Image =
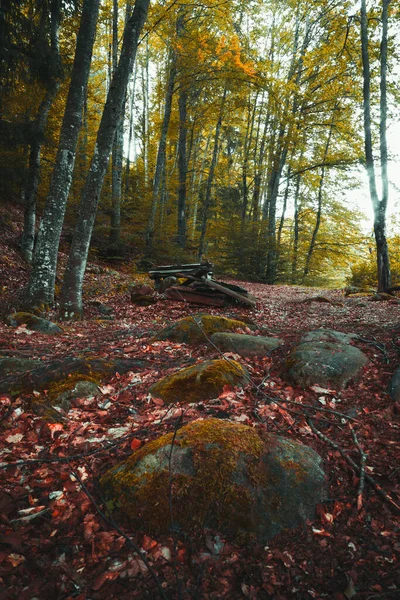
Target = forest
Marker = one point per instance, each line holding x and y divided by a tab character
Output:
199	334
232	131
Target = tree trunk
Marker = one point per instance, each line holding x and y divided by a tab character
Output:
117	149
210	178
41	283
182	167
162	146
319	208
71	297
296	230
28	235
379	205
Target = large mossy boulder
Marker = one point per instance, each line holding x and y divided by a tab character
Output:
198	328
327	364
225	476
33	323
245	345
203	381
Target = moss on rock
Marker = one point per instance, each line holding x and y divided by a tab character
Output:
199	382
33	322
198	328
224	475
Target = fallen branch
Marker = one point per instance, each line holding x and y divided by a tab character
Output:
363	460
351	462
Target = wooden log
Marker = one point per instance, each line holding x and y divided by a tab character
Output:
187	294
220	288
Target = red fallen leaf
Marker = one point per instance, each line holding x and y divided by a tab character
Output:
135	444
101	579
321	532
148	543
181	555
158	401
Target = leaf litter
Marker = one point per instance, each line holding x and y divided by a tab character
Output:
56	538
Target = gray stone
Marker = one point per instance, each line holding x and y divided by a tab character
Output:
245	345
81	389
10	365
328	335
198	329
33	323
225	476
394	386
327	364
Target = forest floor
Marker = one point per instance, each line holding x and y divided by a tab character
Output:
56	539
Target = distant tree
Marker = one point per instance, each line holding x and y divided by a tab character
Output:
379	204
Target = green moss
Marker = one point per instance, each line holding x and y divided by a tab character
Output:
200	382
196	329
57	388
214	495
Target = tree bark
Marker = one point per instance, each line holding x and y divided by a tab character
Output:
319	207
379	205
182	167
42	279
210	178
162	146
30	196
71	296
117	149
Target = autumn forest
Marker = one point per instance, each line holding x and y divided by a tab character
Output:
199	300
232	131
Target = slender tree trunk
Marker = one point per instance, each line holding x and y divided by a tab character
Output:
130	139
161	153
41	283
296	230
320	195
199	184
379	205
246	150
117	149
182	168
28	236
210	178
71	297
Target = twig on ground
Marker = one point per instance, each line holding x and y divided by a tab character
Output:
379	345
351	462
363	460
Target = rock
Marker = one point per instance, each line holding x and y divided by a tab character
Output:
142	294
198	328
50	372
381	296
225	476
63	395
33	322
328	335
201	382
245	345
331	365
10	365
104	309
394	386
